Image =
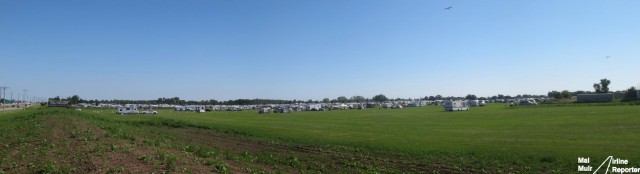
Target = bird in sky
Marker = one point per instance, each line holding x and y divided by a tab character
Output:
608	57
448	8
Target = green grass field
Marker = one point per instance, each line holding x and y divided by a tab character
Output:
492	139
494	131
570	130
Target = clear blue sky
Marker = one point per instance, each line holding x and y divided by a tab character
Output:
292	49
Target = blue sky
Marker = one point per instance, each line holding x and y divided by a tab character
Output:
291	49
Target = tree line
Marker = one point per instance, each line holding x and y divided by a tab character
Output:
75	99
599	88
602	87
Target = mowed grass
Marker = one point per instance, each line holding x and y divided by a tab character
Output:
538	135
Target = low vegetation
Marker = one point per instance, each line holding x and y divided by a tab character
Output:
491	139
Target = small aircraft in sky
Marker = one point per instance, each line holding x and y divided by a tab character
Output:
449	8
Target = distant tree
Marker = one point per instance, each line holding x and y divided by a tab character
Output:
630	94
555	94
500	96
175	100
603	86
597	87
438	97
380	98
74	99
326	100
566	94
358	99
471	97
342	99
604	83
432	98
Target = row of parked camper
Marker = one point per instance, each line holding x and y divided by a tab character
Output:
273	108
265	109
191	108
133	109
449	105
463	105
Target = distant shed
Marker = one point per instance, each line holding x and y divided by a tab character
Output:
58	104
595	98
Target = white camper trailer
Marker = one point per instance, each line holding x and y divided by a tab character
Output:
265	110
314	107
457	105
200	109
130	109
191	108
529	101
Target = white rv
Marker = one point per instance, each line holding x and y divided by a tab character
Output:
265	110
191	108
314	107
457	105
527	101
195	108
130	109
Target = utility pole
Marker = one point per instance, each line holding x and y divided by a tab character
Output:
4	90
24	94
24	98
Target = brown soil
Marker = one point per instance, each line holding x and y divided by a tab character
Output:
73	145
77	146
307	154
